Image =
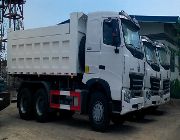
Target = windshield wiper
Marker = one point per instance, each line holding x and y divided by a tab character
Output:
149	61
154	65
165	66
134	51
130	45
152	62
135	47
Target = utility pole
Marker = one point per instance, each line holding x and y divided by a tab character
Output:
11	16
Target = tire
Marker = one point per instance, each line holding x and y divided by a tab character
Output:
154	108
41	106
24	104
99	112
117	119
139	115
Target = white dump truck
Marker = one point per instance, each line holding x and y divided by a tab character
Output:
152	74
164	61
91	64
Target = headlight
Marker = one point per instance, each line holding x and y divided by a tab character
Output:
127	96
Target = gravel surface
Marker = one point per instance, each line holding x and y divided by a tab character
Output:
164	124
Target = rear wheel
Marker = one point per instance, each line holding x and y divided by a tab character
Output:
25	104
41	106
99	112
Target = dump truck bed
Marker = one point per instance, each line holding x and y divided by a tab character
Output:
48	50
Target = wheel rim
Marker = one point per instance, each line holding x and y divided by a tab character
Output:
40	103
97	112
24	104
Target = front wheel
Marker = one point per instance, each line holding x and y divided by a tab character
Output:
139	115
41	106
99	112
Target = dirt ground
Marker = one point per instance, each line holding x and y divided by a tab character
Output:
163	124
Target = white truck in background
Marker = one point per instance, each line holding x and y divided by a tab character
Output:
92	64
152	74
163	54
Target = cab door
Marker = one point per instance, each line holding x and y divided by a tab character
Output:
93	44
111	58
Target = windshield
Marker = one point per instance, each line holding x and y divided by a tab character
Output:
131	34
150	52
164	58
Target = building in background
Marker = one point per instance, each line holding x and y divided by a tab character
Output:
164	29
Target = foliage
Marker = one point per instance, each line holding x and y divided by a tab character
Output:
175	89
178	37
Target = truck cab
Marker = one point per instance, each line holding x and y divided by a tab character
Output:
164	61
152	74
114	56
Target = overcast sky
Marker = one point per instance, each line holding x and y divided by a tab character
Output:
40	13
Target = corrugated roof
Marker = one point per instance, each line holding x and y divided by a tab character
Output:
161	19
64	22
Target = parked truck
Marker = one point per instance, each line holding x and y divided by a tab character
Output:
4	95
164	61
91	64
152	74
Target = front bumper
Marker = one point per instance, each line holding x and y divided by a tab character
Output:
165	97
4	100
150	99
156	100
132	104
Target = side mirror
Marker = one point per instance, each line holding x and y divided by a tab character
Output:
116	42
116	35
116	39
113	32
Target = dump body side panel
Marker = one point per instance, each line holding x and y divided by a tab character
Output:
48	50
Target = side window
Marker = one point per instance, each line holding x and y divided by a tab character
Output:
111	32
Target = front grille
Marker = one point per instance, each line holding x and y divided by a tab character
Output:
166	86
154	93
136	81
155	83
136	93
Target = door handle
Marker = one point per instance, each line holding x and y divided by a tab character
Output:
89	48
102	67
